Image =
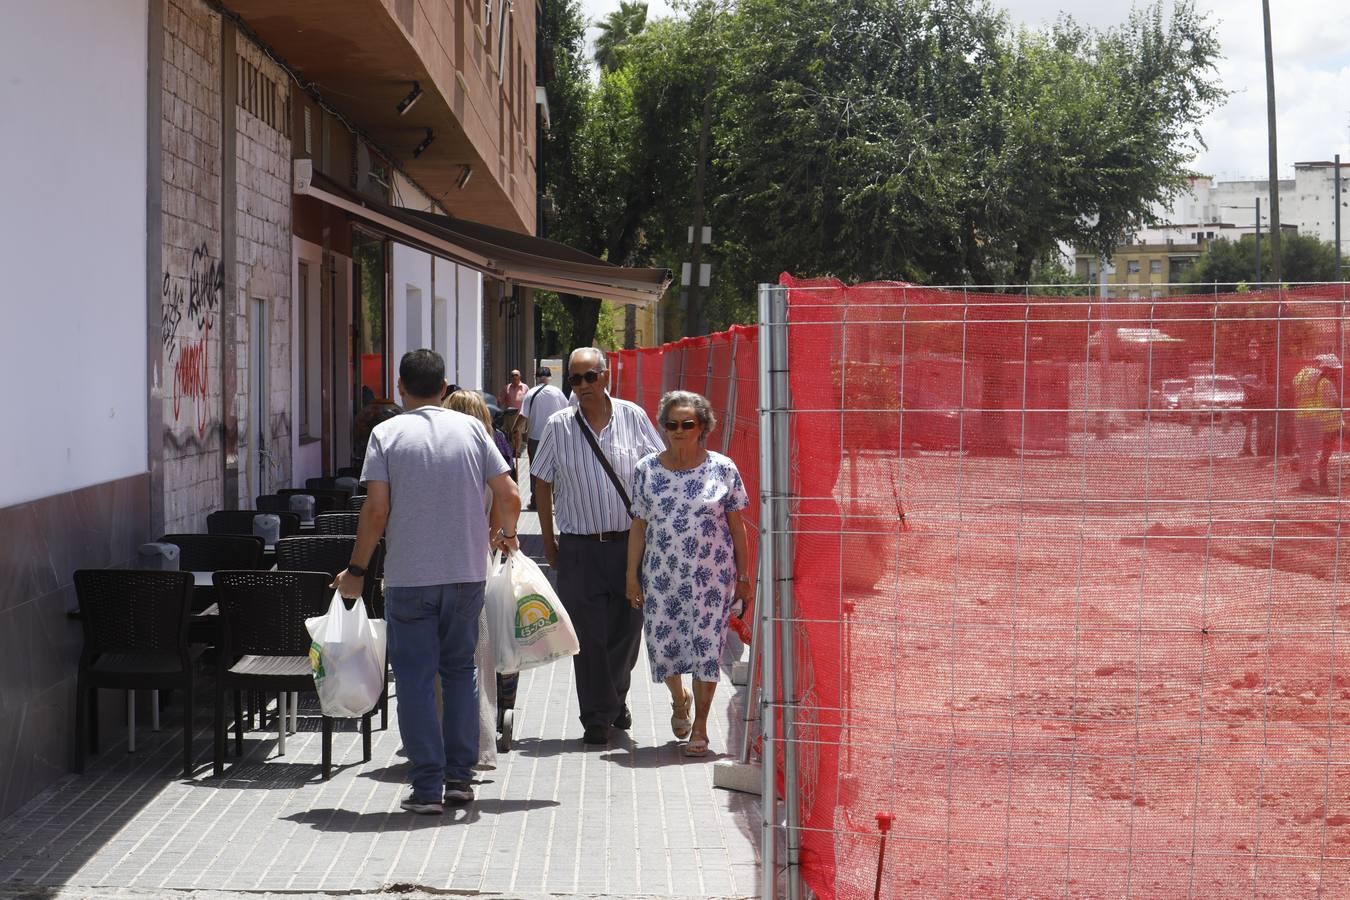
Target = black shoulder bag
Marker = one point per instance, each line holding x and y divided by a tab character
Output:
600	455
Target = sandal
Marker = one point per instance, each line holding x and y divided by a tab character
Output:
697	746
681	723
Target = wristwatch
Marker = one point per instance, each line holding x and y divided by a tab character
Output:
358	571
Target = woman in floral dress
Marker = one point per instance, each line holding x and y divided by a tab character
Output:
687	559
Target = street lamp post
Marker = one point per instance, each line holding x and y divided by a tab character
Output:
1257	208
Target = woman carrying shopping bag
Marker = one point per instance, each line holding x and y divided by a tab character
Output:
496	696
687	559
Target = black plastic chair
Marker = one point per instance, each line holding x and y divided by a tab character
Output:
240	522
356	502
273	503
331	553
135	638
209	552
265	647
349	472
322	483
337	523
333	500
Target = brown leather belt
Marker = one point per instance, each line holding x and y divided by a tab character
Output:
603	537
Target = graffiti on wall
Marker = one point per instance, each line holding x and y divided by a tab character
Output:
189	304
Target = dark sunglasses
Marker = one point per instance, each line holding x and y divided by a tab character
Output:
589	377
686	425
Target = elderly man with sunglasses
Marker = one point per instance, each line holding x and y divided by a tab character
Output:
585	468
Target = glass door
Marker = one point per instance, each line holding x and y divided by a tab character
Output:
372	399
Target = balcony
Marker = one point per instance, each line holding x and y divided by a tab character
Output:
363	57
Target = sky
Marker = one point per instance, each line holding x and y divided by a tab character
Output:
1312	75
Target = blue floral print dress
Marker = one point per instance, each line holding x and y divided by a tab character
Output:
688	573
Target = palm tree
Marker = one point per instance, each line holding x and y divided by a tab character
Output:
616	28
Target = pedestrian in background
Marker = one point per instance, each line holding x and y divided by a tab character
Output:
687	559
509	399
1318	420
542	401
425	473
585	464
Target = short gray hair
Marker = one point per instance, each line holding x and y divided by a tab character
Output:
703	410
599	354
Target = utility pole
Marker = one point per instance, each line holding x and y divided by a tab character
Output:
693	319
1274	157
1336	175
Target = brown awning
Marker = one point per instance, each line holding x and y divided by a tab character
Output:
505	255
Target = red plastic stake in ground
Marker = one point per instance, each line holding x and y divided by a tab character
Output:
884	821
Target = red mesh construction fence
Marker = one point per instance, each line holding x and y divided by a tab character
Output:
724	368
1068	582
1068	579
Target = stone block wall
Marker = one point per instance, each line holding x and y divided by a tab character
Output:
263	271
192	278
197	294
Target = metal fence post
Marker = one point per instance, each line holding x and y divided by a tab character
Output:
783	562
764	636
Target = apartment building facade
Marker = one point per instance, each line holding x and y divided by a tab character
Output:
232	219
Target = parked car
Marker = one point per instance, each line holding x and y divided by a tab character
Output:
1167	398
1215	398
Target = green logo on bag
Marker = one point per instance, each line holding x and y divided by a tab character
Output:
533	613
316	659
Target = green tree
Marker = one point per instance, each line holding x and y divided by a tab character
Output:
923	139
571	168
615	30
1228	265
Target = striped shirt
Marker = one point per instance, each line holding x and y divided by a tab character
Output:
584	499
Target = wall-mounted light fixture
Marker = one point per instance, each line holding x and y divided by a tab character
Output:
426	142
465	173
407	102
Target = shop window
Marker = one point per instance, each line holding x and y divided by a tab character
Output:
370	270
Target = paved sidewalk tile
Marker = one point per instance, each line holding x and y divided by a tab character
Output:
634	819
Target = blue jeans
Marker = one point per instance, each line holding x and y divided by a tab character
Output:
435	629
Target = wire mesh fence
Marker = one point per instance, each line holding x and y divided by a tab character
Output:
1062	590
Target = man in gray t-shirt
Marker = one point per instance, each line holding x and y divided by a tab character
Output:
426	472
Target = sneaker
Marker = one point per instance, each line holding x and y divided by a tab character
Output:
458	792
596	734
624	720
423	807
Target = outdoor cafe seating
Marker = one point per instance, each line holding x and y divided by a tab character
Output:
226	605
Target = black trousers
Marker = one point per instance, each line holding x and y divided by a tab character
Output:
591	578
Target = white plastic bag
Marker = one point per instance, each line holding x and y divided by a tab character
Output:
527	624
346	656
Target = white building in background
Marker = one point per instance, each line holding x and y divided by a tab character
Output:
1307	201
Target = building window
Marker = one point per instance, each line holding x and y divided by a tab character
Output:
1132	267
1155	267
262	97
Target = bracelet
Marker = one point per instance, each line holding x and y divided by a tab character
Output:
501	532
743	578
